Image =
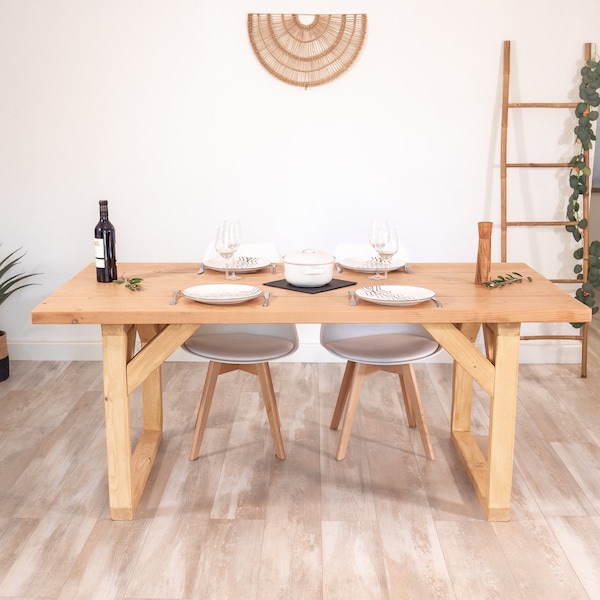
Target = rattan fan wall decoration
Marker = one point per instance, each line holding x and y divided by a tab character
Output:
306	54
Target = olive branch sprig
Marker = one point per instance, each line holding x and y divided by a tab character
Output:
506	279
132	283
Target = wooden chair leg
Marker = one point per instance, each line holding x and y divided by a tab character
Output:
359	372
403	376
214	369
342	395
270	402
412	397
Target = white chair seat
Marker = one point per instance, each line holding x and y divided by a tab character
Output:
239	344
384	349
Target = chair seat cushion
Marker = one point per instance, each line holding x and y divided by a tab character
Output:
239	348
384	349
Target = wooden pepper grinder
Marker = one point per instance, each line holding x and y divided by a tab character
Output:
484	252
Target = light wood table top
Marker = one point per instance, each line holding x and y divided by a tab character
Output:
84	301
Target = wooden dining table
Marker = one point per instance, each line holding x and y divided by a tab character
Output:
141	329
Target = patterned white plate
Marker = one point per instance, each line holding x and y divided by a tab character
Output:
369	264
222	293
395	295
245	264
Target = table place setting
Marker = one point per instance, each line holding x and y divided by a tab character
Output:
240	264
370	264
396	295
221	293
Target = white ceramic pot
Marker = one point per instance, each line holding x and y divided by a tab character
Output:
308	268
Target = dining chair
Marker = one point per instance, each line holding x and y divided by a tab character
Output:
368	348
246	347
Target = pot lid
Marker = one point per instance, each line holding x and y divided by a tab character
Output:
308	257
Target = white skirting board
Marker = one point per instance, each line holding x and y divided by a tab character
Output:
532	352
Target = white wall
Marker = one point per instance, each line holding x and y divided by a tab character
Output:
162	108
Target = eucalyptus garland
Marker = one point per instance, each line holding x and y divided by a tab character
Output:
579	181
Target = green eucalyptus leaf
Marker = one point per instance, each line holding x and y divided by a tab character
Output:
594	261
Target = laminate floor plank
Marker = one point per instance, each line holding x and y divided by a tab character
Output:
291	563
552	484
55	459
546	571
476	561
244	483
172	551
583	462
230	560
561	423
412	555
44	563
14	534
353	565
579	538
106	561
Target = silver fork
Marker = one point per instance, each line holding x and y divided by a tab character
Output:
174	298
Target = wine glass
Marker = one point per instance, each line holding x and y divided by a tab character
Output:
388	250
379	234
228	239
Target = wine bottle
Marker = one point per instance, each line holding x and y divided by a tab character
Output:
106	259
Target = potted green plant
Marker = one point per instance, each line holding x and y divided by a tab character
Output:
9	284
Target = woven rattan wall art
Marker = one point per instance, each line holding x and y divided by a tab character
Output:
304	53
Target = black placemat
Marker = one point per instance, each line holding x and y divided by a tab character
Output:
334	284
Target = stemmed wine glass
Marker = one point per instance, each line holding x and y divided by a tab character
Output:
388	250
379	234
228	239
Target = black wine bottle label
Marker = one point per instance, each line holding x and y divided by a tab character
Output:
104	247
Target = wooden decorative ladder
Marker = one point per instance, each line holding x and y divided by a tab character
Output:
505	224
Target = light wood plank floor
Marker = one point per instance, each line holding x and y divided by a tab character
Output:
238	523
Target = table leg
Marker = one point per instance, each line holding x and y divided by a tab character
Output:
123	372
498	375
503	412
116	346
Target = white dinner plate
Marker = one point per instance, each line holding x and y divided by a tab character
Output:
395	295
241	265
221	293
369	264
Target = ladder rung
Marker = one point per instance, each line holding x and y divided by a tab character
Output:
542	104
540	223
534	165
577	281
551	337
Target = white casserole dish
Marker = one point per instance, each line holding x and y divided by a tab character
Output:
308	268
